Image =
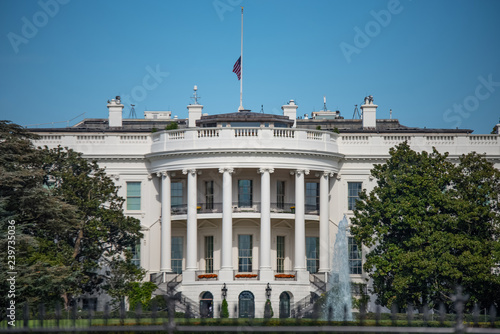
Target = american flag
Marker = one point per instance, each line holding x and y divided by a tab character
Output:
237	68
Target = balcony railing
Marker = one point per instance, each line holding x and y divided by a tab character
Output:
255	207
311	209
202	275
283	207
246	207
179	209
235	138
286	275
209	207
250	275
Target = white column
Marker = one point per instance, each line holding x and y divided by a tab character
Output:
166	232
300	229
192	224
226	272
324	217
265	224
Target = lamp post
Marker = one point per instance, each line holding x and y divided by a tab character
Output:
268	291
224	291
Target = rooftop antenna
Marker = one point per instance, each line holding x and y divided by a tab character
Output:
132	112
262	108
356	114
324	103
390	114
195	96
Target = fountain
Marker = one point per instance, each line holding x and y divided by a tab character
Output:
338	297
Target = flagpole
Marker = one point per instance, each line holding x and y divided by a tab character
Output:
241	64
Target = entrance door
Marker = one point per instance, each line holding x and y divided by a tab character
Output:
246	305
206	305
284	305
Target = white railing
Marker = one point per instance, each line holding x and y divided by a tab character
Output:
203	133
314	135
284	133
176	135
236	138
246	132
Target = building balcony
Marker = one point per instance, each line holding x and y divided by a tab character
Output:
221	139
240	208
282	207
246	207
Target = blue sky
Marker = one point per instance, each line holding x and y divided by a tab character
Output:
436	64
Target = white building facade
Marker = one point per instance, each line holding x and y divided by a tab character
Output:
245	206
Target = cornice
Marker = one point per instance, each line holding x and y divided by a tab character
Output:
115	157
242	151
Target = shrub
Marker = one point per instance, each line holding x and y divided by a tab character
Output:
268	310
224	312
172	126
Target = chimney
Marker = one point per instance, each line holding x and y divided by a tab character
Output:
290	110
194	110
115	112
369	113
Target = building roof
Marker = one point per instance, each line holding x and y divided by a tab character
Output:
356	126
128	125
340	124
243	116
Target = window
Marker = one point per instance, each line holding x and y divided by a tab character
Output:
209	254
176	194
244	253
312	254
354	257
136	255
209	195
245	199
280	254
312	196
177	250
89	304
353	190
133	195
280	194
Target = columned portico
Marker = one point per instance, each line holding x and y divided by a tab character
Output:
324	216
266	272
226	271
192	225
300	231
166	228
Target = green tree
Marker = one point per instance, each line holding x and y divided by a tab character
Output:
103	235
68	217
172	126
431	225
268	310
41	262
224	312
140	293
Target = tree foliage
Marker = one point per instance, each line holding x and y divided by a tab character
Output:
224	312
140	294
431	225
69	221
268	309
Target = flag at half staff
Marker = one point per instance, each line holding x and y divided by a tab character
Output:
237	68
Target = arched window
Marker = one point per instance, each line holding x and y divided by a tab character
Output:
246	305
207	305
284	305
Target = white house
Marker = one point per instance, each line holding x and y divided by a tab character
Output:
246	205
